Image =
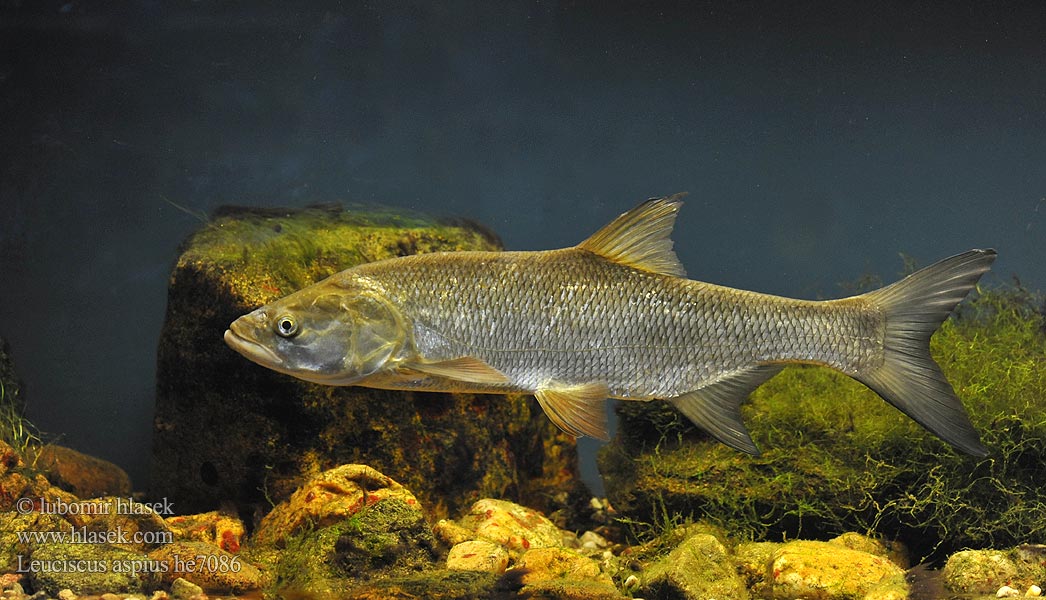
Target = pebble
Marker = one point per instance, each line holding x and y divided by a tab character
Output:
477	555
182	589
1034	590
1007	592
66	594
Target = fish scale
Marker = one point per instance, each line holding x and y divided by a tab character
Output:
645	334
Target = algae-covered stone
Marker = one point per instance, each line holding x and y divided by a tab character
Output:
563	573
333	496
14	524
515	527
979	571
700	567
836	457
228	429
386	539
81	474
214	527
753	561
134	525
477	555
895	551
89	569
207	566
430	585
824	571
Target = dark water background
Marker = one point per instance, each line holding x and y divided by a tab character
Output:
817	141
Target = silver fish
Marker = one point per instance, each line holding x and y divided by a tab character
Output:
611	317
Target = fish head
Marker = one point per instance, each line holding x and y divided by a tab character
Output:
333	333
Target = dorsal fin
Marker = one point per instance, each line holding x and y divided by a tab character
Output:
642	237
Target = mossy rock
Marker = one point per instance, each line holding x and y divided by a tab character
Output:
90	569
229	430
387	539
838	458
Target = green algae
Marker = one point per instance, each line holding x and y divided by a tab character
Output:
277	251
386	539
837	458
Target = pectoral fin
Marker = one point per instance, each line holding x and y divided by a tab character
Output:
578	410
465	368
716	408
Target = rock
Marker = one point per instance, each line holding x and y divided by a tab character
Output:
213	527
824	571
89	569
515	527
333	496
137	525
562	573
14	522
183	589
753	565
895	552
978	571
83	475
542	564
207	566
696	569
228	429
432	585
477	555
385	539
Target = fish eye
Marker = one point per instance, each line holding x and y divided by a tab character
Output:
286	326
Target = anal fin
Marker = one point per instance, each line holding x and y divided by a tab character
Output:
716	408
465	368
578	409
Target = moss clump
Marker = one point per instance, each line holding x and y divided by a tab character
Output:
837	458
387	539
274	252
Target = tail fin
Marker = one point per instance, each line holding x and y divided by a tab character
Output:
909	378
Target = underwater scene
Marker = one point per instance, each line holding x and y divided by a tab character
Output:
559	300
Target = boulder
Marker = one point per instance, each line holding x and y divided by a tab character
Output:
81	474
228	429
825	571
698	568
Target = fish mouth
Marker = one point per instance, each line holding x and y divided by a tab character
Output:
252	350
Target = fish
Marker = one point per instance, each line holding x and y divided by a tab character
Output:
612	317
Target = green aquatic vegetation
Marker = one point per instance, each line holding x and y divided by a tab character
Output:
276	251
15	429
837	458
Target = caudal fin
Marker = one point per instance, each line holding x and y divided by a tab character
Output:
909	379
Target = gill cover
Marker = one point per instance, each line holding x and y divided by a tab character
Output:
378	334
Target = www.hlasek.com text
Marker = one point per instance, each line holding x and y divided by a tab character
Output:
82	535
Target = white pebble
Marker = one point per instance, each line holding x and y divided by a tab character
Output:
631	583
1007	592
1034	590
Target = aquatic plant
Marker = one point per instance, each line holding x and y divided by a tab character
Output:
15	429
837	458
